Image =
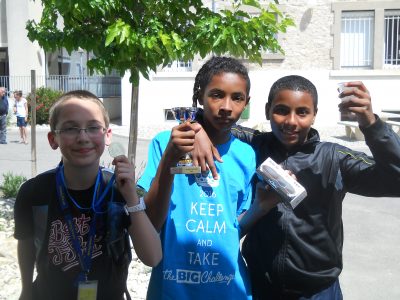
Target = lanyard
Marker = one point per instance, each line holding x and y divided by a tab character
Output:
96	201
84	257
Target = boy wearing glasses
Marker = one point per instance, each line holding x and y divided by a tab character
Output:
73	221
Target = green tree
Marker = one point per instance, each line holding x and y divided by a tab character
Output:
140	35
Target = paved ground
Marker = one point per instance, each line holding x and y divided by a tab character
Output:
371	226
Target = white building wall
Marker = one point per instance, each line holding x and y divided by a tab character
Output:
308	44
23	54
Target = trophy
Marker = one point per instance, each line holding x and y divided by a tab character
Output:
185	164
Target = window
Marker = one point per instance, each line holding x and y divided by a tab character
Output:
392	38
179	66
366	35
356	39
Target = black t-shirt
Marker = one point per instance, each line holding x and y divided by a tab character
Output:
58	265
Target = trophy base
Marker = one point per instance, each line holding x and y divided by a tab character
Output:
186	170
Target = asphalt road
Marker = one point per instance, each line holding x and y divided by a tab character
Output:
371	225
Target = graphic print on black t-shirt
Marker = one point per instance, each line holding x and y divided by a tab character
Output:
52	282
60	249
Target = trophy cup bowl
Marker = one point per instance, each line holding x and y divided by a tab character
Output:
185	164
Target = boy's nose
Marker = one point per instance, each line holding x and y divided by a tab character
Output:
291	119
226	107
225	113
82	134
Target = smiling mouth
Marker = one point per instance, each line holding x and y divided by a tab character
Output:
84	150
289	133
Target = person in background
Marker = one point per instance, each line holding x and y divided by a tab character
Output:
21	112
3	115
297	253
74	222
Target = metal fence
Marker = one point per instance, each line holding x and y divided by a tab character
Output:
101	86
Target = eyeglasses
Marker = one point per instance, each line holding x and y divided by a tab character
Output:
91	131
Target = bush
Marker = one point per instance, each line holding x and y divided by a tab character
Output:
45	97
11	184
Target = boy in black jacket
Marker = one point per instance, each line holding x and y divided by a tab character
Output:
297	254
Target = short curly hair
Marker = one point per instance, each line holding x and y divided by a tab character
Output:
293	83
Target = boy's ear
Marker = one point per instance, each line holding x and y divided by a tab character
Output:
248	100
267	109
51	137
315	114
108	136
198	98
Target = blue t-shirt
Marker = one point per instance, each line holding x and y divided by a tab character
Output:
200	236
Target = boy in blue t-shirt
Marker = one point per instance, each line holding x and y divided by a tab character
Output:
197	214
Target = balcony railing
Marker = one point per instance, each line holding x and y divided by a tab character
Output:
101	86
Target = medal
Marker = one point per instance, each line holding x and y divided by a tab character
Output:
116	149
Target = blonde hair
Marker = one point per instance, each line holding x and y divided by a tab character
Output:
55	109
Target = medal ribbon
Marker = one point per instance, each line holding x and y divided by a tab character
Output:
85	258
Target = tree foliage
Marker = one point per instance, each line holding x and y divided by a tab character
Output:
138	36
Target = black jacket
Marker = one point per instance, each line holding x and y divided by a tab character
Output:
299	252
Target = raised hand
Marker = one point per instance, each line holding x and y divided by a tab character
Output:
356	98
182	140
125	177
